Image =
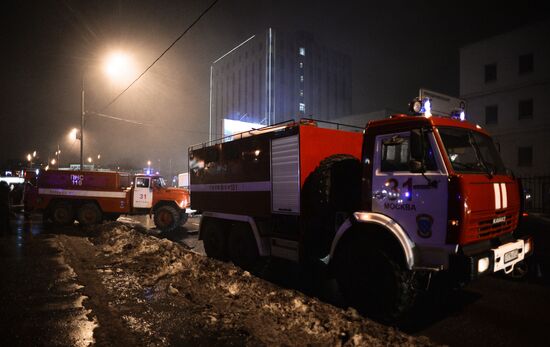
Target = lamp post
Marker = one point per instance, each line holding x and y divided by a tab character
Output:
117	66
82	112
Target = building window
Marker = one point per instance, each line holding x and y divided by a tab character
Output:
525	109
302	51
301	65
525	156
525	63
491	114
490	72
301	92
302	107
301	78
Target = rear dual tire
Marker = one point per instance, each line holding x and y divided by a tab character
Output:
234	241
89	214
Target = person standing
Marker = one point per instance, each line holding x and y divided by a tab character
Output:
4	208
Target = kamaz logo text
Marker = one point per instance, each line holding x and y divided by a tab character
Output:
499	219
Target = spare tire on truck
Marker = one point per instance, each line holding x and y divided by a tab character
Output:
167	218
330	193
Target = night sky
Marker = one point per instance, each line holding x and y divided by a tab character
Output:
396	48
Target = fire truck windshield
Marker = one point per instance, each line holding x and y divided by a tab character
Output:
159	182
471	152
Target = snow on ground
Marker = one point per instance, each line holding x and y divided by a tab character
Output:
168	295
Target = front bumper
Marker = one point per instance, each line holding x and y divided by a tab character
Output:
473	262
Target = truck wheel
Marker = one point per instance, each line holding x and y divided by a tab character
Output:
89	214
374	283
183	218
243	250
166	218
214	237
62	213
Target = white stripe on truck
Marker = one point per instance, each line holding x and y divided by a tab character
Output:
264	186
87	193
496	188
504	195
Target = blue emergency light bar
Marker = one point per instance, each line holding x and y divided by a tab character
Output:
423	107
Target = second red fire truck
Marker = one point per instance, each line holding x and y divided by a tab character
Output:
64	196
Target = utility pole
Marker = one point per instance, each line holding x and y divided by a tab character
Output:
82	125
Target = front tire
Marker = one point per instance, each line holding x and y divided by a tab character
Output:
166	218
184	217
375	283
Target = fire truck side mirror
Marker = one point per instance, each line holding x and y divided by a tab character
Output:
416	166
417	149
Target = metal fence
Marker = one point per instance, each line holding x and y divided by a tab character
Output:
537	193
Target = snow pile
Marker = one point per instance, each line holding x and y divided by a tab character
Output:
191	299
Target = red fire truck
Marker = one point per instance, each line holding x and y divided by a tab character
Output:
385	208
91	196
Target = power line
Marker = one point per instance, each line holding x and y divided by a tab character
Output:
160	56
142	123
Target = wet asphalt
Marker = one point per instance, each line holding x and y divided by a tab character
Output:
42	304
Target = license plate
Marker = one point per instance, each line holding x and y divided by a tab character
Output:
509	256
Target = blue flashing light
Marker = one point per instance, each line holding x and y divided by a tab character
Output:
427	106
459	115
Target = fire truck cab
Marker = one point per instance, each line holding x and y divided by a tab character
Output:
384	209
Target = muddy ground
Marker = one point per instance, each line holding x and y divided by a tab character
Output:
142	290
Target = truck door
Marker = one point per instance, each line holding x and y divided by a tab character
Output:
410	184
143	193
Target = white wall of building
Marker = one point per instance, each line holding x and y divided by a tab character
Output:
509	88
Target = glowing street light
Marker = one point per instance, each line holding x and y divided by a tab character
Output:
90	160
118	66
29	159
53	161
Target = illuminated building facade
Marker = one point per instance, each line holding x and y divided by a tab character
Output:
275	76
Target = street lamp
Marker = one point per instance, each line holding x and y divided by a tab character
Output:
118	66
148	167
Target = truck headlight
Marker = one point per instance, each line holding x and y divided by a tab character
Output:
482	265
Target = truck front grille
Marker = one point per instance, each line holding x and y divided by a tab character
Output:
487	225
